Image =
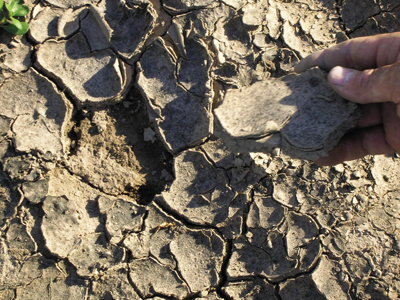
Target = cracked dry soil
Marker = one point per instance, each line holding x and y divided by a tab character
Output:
114	186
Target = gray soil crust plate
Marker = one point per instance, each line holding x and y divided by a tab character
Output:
299	113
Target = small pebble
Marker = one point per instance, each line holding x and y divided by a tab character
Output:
339	168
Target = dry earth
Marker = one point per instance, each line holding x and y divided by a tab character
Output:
113	185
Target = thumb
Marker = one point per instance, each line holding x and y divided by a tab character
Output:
373	85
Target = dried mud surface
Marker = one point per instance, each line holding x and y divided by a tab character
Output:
113	184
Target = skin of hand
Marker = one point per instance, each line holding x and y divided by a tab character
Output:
365	70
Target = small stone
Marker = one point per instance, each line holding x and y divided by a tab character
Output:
339	168
377	273
260	40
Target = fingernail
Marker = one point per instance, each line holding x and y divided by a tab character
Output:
339	75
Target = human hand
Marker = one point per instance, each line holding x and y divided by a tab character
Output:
365	70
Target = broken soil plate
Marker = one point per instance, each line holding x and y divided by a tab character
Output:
301	114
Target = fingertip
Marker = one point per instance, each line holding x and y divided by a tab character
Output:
324	161
313	60
357	144
300	67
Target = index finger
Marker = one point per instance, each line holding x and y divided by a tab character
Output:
359	53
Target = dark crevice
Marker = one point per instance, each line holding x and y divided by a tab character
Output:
183	12
37	235
210	160
224	268
277	295
134	286
179	273
72	134
181	218
348	32
246	210
146	193
60	89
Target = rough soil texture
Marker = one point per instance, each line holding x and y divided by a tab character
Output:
296	118
114	185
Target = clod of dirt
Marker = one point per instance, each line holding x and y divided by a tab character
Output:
299	113
94	253
254	14
39	111
256	289
18	59
126	28
45	277
60	241
172	245
202	22
151	277
36	192
19	242
264	213
300	288
44	23
9	198
182	117
199	192
122	216
106	284
234	41
278	253
329	279
99	78
111	152
202	270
